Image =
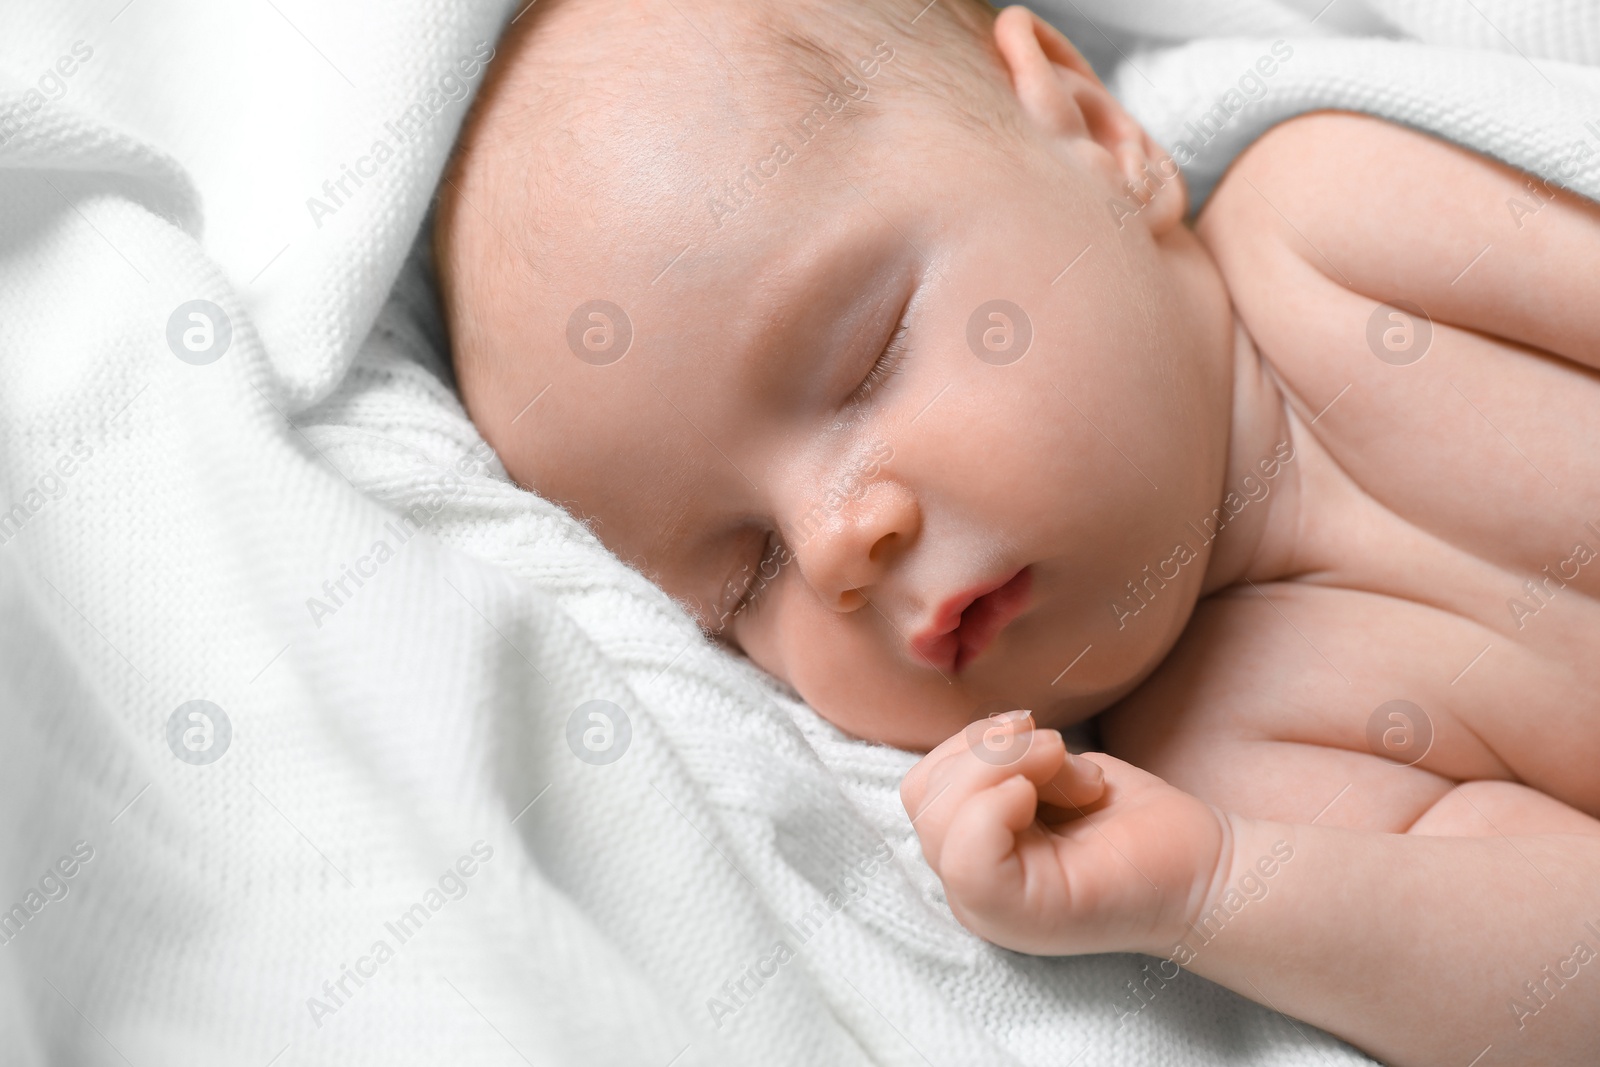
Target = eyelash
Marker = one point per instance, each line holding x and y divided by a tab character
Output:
891	361
750	595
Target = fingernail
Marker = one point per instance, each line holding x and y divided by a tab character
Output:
1084	766
1012	716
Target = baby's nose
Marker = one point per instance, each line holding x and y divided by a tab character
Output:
846	543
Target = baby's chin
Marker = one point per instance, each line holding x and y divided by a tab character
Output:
920	710
917	727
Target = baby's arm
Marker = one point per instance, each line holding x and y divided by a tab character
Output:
1390	212
1415	948
1419	949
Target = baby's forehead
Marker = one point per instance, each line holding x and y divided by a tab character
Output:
671	121
662	104
697	52
757	66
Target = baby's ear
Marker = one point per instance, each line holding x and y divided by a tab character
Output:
1060	93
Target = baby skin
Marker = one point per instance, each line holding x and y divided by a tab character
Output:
1300	503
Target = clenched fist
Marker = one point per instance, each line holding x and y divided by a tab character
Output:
1044	852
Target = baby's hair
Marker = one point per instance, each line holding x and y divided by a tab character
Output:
944	50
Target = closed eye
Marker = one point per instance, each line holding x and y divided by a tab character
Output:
890	361
752	581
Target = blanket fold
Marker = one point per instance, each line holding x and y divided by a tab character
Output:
359	754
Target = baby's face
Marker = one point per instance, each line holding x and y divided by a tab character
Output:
908	369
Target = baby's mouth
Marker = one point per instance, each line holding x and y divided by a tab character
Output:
968	623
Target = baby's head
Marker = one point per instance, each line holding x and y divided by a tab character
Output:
831	315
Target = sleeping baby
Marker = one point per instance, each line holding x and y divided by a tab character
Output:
878	335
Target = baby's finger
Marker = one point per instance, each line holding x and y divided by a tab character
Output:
1036	754
914	786
990	736
983	871
1077	784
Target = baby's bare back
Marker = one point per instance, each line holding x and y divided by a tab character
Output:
1430	660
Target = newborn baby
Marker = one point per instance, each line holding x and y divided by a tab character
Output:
877	335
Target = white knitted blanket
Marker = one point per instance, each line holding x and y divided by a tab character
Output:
393	831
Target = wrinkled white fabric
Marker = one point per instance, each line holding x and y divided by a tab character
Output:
173	532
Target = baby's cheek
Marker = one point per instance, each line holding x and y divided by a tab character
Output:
824	655
774	635
853	673
761	648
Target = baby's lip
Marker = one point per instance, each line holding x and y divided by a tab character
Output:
967	623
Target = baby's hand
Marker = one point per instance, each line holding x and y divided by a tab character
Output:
1053	854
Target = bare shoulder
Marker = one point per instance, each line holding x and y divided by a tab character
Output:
1386	211
1317	167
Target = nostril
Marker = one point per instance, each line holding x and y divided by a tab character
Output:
882	545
